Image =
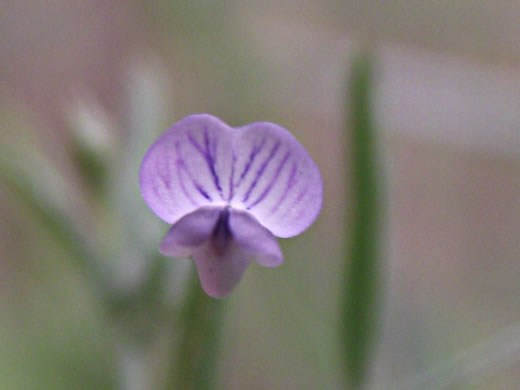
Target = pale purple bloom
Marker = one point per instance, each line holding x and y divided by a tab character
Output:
228	192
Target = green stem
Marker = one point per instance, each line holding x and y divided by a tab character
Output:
359	310
198	350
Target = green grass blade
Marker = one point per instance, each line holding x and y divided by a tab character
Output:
361	279
29	187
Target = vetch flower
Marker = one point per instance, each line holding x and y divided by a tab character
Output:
228	193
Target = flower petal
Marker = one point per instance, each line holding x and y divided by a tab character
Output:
190	232
220	272
276	179
255	239
187	167
260	168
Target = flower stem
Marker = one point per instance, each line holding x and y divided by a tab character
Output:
198	350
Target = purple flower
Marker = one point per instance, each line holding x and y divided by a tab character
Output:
228	193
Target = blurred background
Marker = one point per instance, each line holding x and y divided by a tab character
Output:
89	84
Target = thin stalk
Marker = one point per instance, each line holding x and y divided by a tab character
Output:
196	365
362	263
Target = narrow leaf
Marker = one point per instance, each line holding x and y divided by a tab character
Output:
92	132
361	279
36	195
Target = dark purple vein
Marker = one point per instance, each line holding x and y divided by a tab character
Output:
211	158
260	172
274	179
181	166
164	175
203	192
209	153
183	186
298	199
164	178
232	178
257	148
155	188
290	183
196	145
214	147
301	195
